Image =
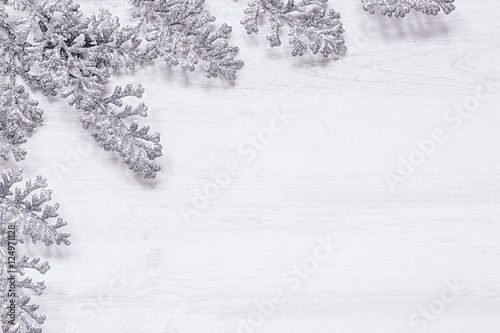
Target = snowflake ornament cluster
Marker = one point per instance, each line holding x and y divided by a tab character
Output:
54	48
399	8
312	26
24	213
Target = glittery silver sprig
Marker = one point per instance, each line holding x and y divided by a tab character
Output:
74	57
312	25
178	31
24	213
18	115
400	8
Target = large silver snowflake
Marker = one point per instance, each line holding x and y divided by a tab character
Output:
55	48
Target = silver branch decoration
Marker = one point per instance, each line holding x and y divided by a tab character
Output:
55	49
18	115
24	213
177	29
312	26
399	8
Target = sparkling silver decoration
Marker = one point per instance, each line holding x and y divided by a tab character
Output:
177	31
311	24
24	211
400	8
18	115
58	50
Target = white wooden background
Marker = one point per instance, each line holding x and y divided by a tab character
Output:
138	264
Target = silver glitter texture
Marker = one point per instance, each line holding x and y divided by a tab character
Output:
56	49
177	30
27	210
399	8
18	115
312	25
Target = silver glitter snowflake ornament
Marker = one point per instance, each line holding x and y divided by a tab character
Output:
312	26
24	213
54	48
399	8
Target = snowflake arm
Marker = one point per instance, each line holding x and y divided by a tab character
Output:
135	145
24	210
399	8
177	31
18	116
32	211
312	26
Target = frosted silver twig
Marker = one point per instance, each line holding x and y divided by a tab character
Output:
400	8
312	25
24	213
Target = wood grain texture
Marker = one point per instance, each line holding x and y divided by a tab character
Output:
136	264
